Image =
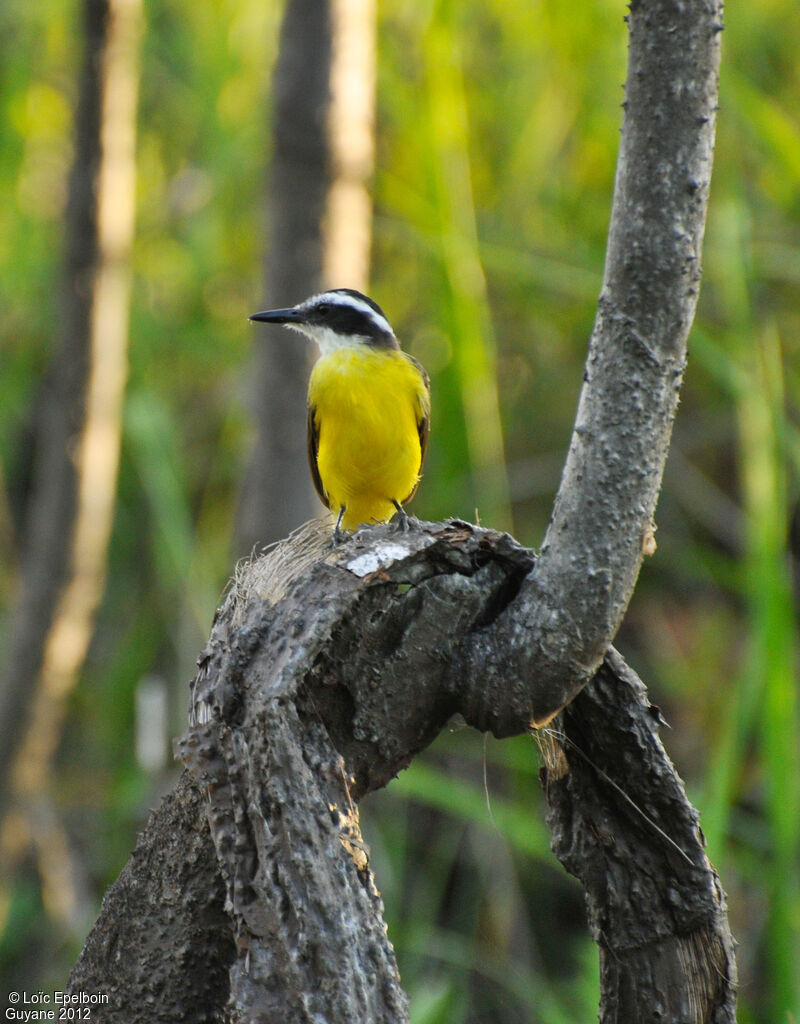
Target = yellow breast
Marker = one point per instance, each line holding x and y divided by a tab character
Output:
368	405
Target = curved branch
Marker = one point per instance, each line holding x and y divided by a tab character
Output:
567	614
325	673
656	907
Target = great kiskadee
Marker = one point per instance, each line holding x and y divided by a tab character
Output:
368	407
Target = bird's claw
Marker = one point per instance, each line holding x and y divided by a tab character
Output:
401	520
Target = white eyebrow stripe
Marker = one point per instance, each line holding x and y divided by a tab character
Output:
336	299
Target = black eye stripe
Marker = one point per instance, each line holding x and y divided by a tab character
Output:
347	320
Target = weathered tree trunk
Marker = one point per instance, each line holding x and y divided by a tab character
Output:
326	672
163	944
622	825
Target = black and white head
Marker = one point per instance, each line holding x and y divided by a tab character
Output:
341	318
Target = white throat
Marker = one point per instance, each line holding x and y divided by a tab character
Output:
328	341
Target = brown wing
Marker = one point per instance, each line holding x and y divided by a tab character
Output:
423	421
313	448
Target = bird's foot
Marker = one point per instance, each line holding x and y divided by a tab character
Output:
339	535
401	520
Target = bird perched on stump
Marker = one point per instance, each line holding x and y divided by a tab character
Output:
368	407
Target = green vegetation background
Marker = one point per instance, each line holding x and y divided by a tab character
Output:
497	136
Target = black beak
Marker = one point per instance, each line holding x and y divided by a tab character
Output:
278	316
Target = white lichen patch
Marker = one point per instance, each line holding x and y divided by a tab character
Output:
379	557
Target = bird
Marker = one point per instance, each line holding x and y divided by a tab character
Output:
369	408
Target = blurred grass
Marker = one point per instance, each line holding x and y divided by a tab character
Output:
756	753
464	308
498	128
514	820
188	571
451	839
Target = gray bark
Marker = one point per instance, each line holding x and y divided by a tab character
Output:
571	606
656	907
162	944
326	672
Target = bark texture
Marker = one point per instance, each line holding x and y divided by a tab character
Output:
572	605
621	823
325	673
161	947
